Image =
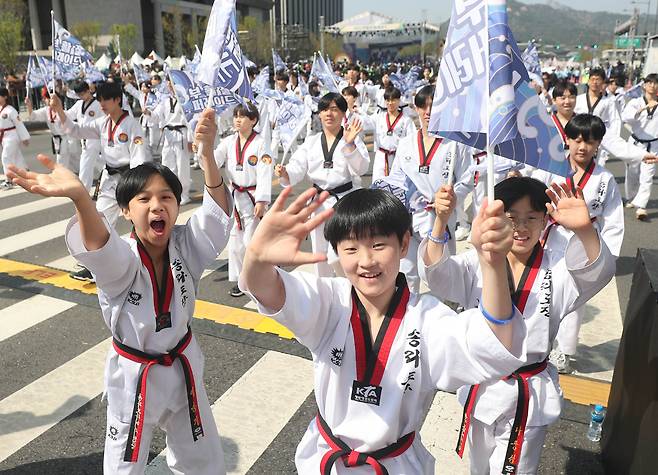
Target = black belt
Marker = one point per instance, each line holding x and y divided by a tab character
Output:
335	191
648	142
352	458
177	128
115	170
147	360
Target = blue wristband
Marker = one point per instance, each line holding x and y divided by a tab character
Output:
439	240
496	321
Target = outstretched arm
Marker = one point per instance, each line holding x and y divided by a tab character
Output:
62	182
276	242
205	133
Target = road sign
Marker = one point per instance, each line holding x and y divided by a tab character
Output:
622	42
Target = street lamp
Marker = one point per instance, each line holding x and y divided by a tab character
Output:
646	23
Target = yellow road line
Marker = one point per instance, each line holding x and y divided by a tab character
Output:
242	318
582	390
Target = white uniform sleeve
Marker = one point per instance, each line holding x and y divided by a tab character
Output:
114	266
221	153
629	112
139	151
462	349
358	160
297	166
73	112
22	132
410	127
452	278
463	173
90	131
39	115
264	175
307	311
578	281
613	218
132	90
205	235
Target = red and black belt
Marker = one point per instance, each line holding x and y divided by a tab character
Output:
515	443
387	154
167	359
241	189
352	458
335	191
2	132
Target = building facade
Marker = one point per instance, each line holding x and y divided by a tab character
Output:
307	13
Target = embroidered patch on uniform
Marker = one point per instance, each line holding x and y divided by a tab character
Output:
337	356
112	433
253	160
267	160
123	138
407	158
366	393
134	297
92	113
138	141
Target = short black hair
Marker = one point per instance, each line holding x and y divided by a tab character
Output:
392	93
246	110
4	92
589	126
653	77
513	189
597	72
80	86
133	181
367	212
562	86
109	90
146	83
328	98
352	67
281	76
350	91
424	96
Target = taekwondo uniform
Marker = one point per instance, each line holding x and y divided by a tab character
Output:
12	133
177	135
154	353
556	282
380	411
151	127
421	173
62	146
249	169
84	114
123	147
639	175
332	168
387	137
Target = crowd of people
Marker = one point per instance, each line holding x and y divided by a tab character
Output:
544	247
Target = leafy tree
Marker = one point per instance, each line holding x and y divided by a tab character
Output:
12	17
127	34
87	32
333	44
255	39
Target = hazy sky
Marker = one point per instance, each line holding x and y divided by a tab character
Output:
439	10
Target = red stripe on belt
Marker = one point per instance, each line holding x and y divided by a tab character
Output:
387	154
241	189
137	421
2	133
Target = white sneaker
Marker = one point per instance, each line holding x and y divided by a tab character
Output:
561	361
462	233
629	204
641	214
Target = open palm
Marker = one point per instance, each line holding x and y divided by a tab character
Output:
59	182
279	235
568	208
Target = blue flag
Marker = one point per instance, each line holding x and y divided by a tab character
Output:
530	59
511	116
68	53
262	81
321	71
193	95
278	63
92	73
35	76
140	74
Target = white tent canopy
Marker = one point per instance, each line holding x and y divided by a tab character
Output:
155	57
103	62
136	59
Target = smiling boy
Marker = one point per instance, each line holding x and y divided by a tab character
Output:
146	288
379	351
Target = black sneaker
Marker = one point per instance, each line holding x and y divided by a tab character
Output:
83	275
236	292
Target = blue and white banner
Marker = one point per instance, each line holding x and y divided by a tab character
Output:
193	95
68	52
530	59
262	81
91	73
35	76
511	117
291	119
140	74
279	64
321	71
247	62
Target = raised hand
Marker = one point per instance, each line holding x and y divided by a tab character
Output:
491	233
568	209
56	103
280	171
352	130
444	202
59	182
280	233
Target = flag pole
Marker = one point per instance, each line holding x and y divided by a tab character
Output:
490	158
52	21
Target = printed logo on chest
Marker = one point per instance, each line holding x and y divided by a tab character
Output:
134	298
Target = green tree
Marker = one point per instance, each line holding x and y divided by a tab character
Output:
127	34
12	17
87	32
333	44
255	39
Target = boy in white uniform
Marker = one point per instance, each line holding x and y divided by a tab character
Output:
122	145
147	101
249	170
146	289
351	95
507	430
176	149
333	160
391	125
639	115
84	112
422	164
61	145
13	134
379	351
